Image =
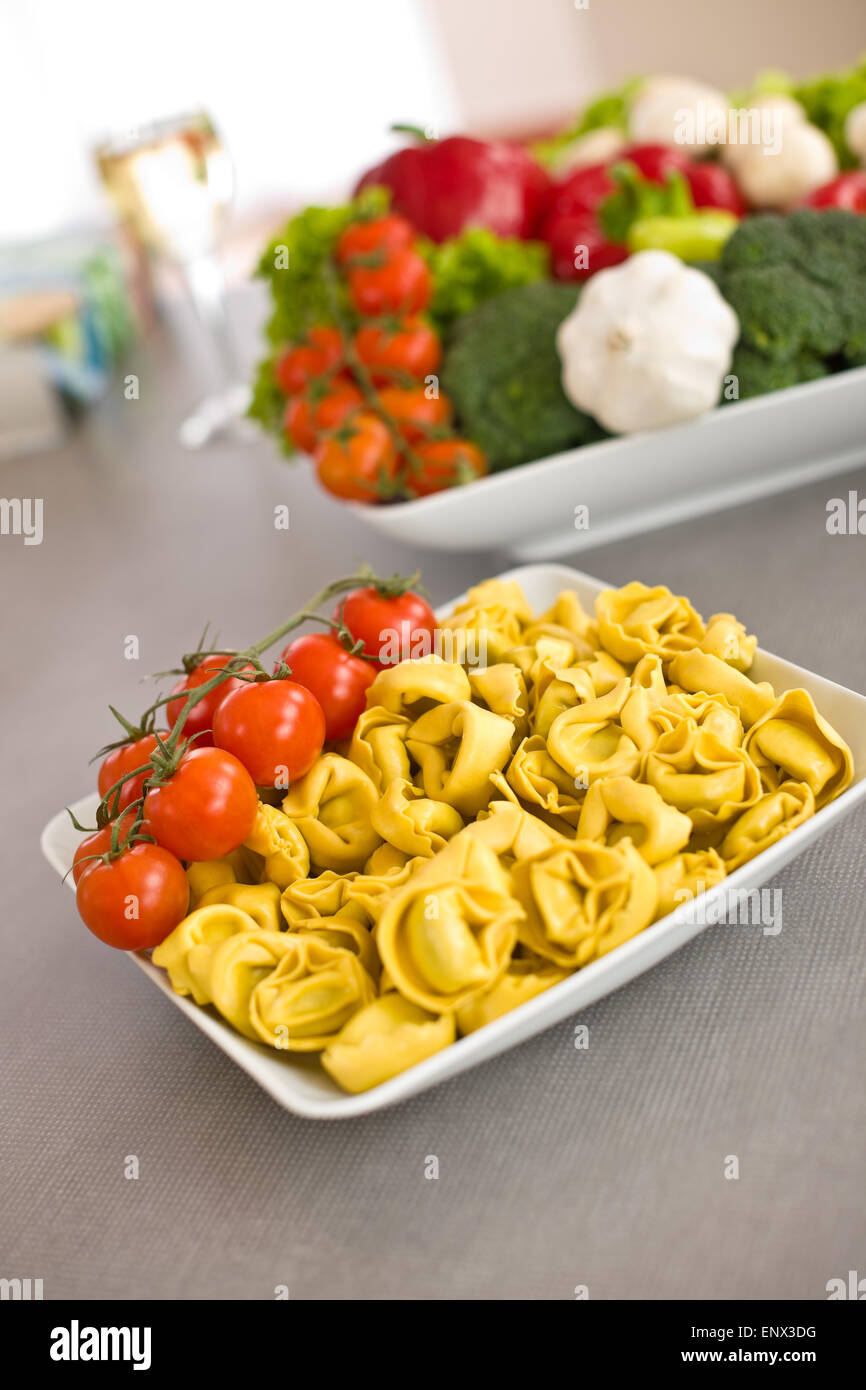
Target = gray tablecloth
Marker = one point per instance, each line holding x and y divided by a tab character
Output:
557	1167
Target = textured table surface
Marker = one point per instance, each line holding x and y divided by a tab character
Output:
558	1167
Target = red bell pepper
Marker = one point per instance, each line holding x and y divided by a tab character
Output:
848	191
444	186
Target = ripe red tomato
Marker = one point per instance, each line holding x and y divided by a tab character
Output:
446	462
339	680
580	238
274	728
413	412
134	901
207	807
199	722
408	348
359	461
846	191
297	366
388	234
305	421
391	628
122	760
100	843
403	285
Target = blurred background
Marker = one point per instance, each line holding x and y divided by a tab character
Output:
248	112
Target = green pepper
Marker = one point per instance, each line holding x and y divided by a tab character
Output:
698	237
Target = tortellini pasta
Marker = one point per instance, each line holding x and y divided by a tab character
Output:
498	820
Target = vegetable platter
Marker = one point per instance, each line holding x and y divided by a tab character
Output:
583	781
658	311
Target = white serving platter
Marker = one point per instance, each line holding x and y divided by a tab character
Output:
639	482
300	1084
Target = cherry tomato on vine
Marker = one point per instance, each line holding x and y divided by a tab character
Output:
298	365
306	421
134	901
403	285
383	234
446	462
100	843
275	728
405	347
339	680
359	461
391	628
206	808
414	413
122	760
199	722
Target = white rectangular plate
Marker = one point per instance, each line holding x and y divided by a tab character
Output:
301	1085
638	482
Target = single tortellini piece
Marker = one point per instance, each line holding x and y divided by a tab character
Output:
713	712
413	686
637	621
589	742
415	824
618	808
384	1038
701	672
302	1004
501	688
324	896
203	928
794	737
774	815
570	686
378	746
457	746
279	840
525	978
260	901
231	971
537	779
450	932
511	832
582	899
332	807
349	933
726	637
604	671
207	874
646	691
686	876
710	781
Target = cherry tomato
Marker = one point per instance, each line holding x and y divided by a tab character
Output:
446	462
297	366
122	760
134	901
656	161
391	628
100	843
305	421
207	807
199	722
339	680
388	234
847	191
359	461
408	348
403	285
579	246
413	412
274	728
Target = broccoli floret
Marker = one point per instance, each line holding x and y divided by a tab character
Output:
758	374
831	245
783	313
759	242
502	371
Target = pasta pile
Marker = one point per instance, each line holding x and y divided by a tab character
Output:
489	829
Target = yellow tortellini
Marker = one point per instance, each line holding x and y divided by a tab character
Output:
498	820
